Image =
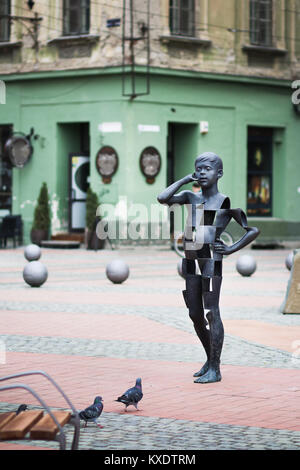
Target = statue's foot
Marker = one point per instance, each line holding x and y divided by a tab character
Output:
212	375
202	371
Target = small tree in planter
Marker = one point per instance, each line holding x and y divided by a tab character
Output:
92	203
41	218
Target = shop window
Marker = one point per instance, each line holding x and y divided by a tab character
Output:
4	22
261	22
5	171
260	145
182	17
76	17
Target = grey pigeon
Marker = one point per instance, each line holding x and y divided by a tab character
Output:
133	395
21	408
92	412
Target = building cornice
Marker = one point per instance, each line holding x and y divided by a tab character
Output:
117	70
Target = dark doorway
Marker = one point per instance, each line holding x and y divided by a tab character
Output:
260	163
182	149
170	155
6	173
79	173
171	169
182	146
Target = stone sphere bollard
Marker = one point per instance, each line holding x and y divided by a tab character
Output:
35	273
289	260
117	271
32	252
246	265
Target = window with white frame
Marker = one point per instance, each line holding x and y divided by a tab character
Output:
76	17
182	17
261	22
4	20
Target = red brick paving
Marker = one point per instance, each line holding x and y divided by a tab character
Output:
14	446
125	298
104	326
133	328
248	396
276	336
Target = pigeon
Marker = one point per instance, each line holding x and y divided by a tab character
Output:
92	412
133	395
21	408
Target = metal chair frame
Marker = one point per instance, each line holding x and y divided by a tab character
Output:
75	420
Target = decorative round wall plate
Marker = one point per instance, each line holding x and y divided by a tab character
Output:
150	162
19	150
107	162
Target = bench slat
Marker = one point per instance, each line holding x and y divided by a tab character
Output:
18	427
46	428
6	417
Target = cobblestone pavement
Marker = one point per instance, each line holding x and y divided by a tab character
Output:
79	326
254	354
174	434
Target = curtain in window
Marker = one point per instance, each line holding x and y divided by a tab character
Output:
182	17
76	17
261	22
4	22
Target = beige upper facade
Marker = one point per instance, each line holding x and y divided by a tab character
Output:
237	37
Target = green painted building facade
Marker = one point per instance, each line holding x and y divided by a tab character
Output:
66	112
247	118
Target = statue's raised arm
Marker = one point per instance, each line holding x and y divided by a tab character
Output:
169	197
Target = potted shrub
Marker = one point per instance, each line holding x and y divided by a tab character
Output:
92	203
41	218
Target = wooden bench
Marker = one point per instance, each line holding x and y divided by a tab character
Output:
46	428
35	424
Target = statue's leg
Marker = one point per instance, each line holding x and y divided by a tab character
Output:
216	330
193	299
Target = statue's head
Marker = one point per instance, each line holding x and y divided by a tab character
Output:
208	168
210	157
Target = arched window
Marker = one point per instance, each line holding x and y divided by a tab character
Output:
182	17
76	17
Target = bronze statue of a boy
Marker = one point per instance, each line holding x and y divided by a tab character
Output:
209	213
